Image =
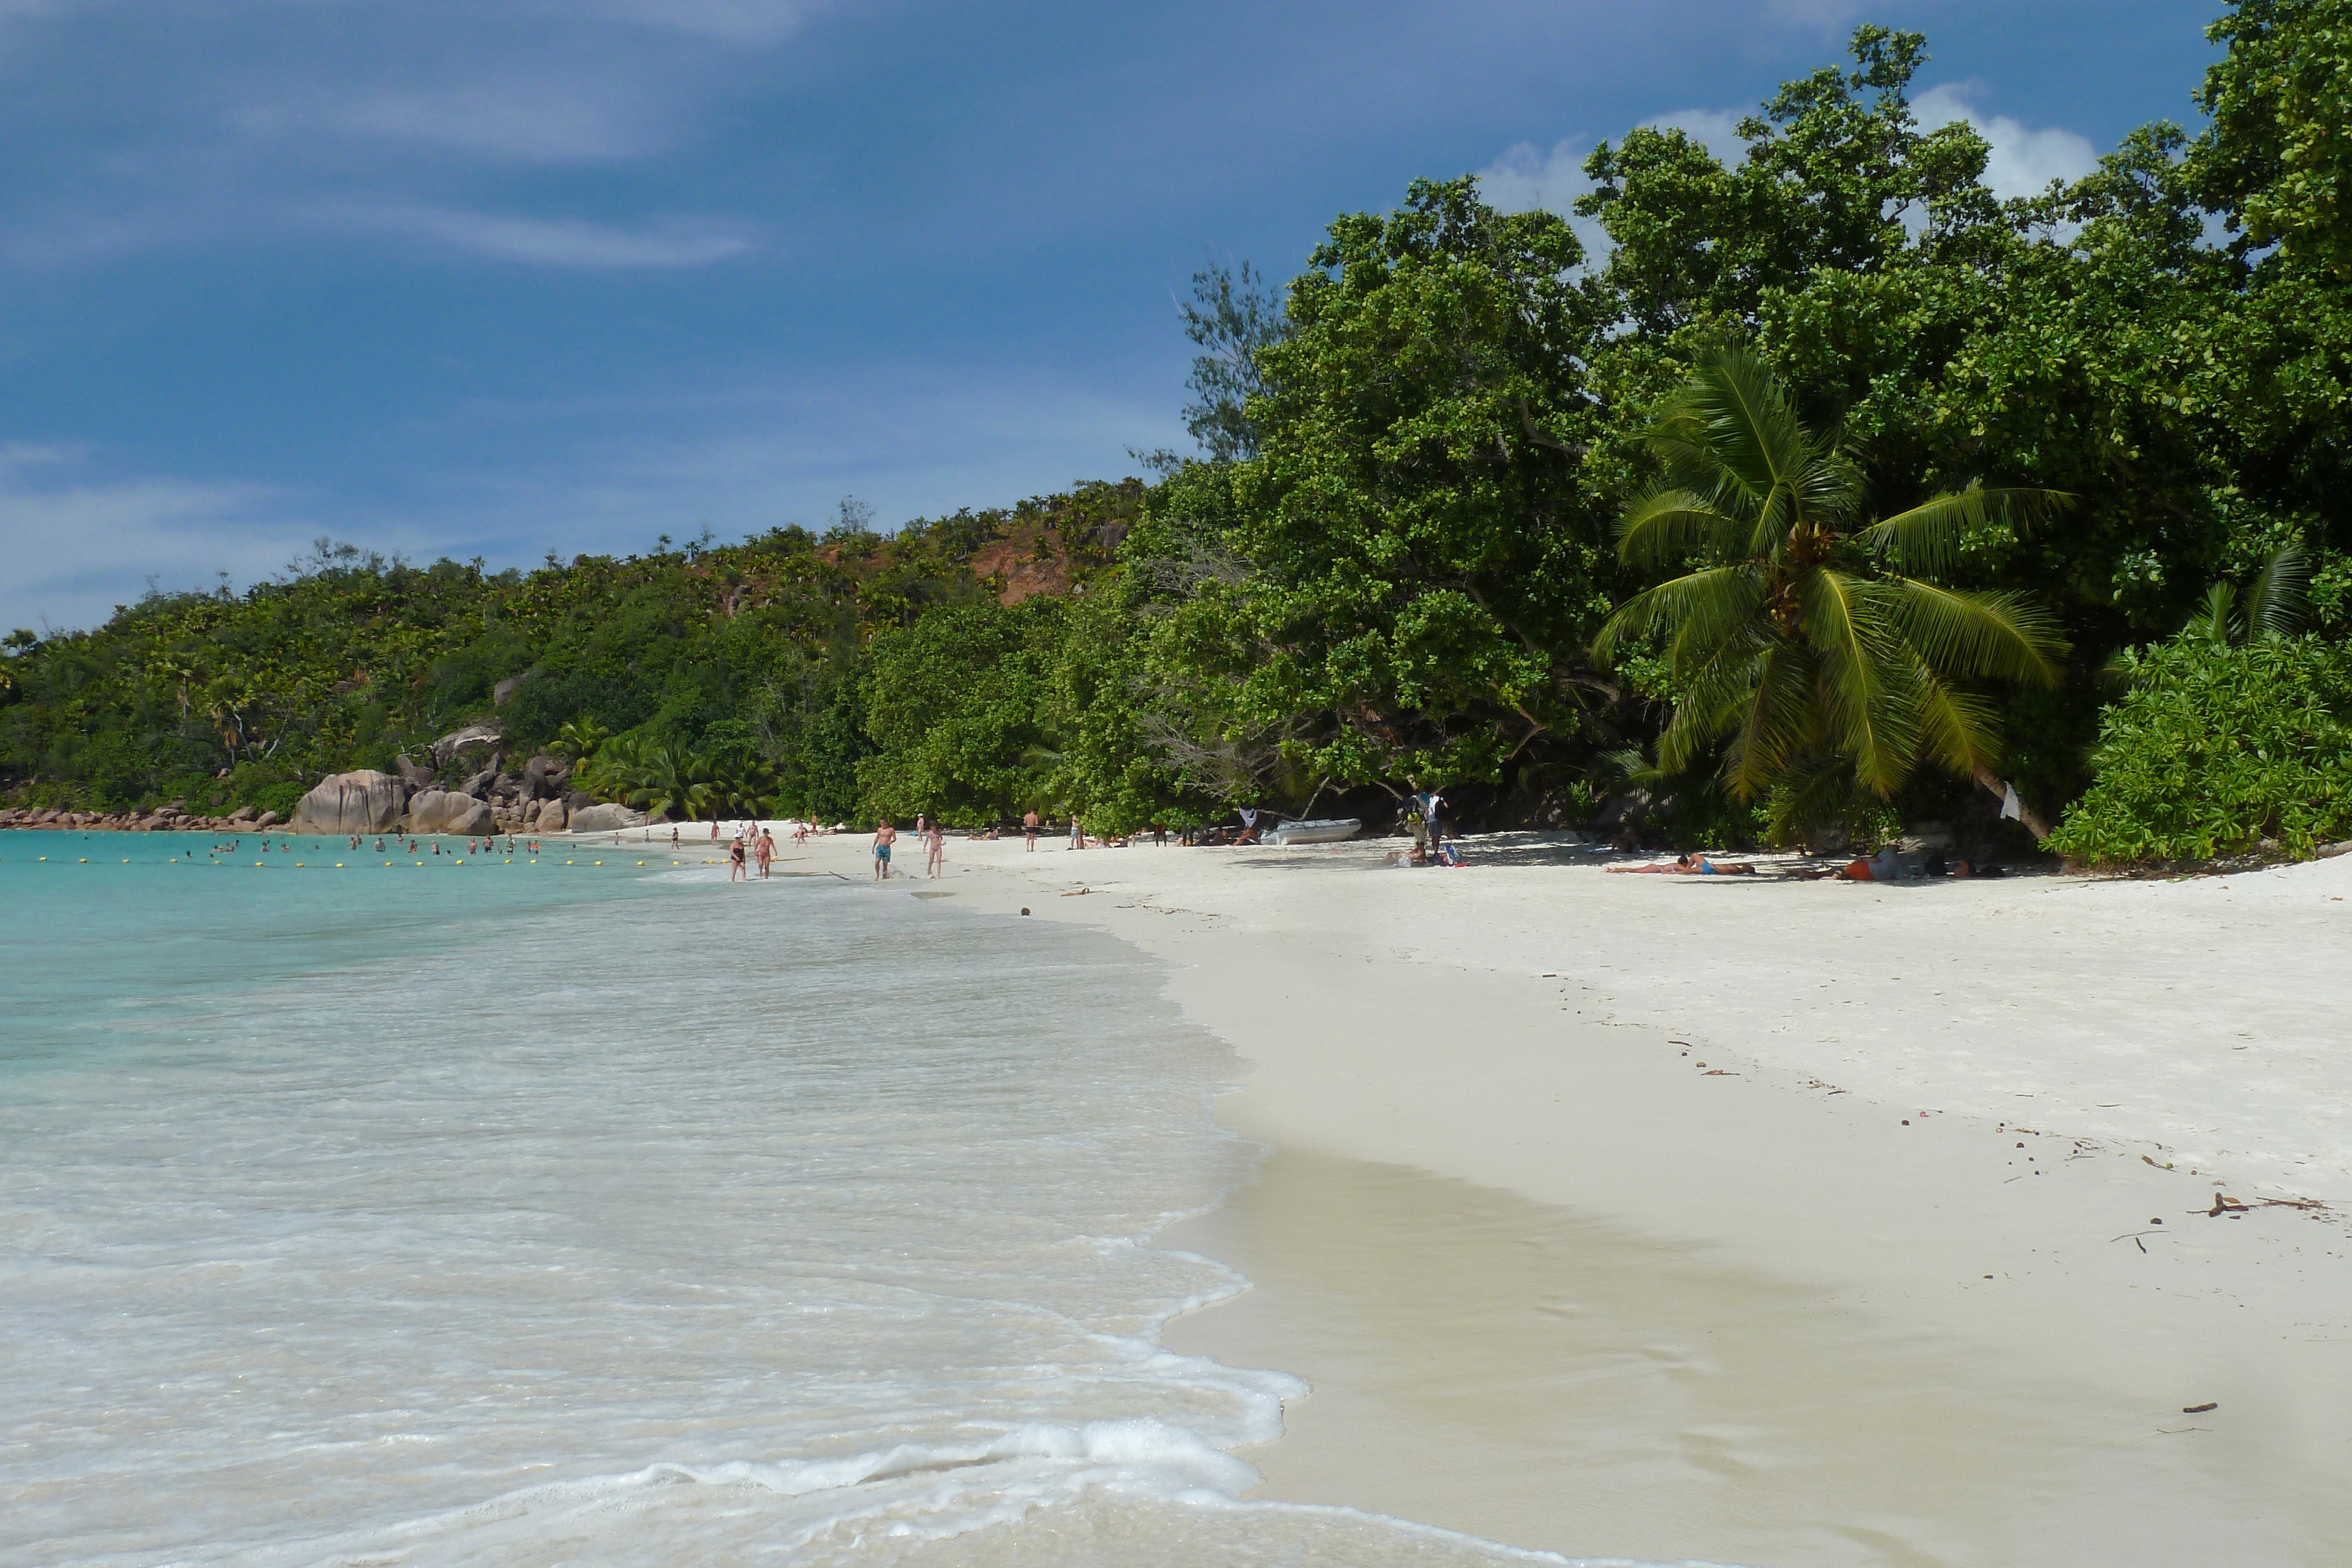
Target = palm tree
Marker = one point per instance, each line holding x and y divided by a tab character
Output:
747	784
2273	600
671	784
580	739
1815	636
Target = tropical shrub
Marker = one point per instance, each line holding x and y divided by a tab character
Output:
2213	748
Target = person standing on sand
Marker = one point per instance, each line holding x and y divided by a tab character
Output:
1029	828
766	850
884	835
937	842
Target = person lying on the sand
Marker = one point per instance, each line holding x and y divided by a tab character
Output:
1685	865
1884	866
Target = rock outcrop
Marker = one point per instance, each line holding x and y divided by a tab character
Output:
552	817
416	776
456	740
447	812
600	819
361	802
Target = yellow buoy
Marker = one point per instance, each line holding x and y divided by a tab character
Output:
299	864
85	860
420	865
641	862
339	865
600	862
126	863
571	862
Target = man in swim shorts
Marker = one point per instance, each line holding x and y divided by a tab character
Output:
884	835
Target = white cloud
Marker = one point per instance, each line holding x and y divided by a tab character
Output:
1523	179
552	242
1717	130
77	547
1815	13
728	21
512	119
2022	162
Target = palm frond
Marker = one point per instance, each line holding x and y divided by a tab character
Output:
1716	598
1750	429
1779	725
2275	597
1958	730
2004	635
1665	525
1846	623
1714	692
1927	537
2216	619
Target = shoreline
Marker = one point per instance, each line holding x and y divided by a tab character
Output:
1860	1148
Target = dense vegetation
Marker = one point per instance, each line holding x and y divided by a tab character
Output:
1465	516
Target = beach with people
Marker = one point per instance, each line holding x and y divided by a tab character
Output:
1767	1218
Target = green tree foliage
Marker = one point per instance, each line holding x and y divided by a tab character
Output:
1416	549
1810	632
1394	559
2278	158
1230	318
2215	747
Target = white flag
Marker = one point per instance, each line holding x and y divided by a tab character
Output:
2012	809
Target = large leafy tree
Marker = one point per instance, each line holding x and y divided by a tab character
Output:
1809	632
2278	157
1420	555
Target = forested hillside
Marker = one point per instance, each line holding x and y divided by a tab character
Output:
1904	486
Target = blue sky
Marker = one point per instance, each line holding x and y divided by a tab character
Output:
497	277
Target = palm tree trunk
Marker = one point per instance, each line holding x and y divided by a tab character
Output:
2035	823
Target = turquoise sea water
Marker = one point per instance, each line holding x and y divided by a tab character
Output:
502	1213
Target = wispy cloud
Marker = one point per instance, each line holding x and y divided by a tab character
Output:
76	545
551	242
733	21
2024	161
423	121
1815	13
519	120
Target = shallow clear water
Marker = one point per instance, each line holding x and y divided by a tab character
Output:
514	1213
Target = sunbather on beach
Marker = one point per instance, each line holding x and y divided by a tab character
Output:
1685	865
1884	866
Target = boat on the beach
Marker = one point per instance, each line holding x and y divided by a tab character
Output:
1321	830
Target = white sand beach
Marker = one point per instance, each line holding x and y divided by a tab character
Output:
1766	1221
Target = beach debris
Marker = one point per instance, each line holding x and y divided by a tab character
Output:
1077	892
1717	1073
2200	1409
2224	1204
1024	909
